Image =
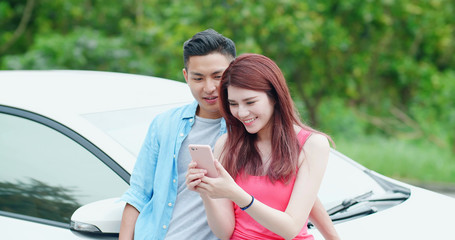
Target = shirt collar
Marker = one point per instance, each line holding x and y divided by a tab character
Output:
190	113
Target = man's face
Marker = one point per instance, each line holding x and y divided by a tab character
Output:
203	75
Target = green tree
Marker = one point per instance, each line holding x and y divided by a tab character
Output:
392	62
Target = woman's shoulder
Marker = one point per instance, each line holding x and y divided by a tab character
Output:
316	145
302	134
317	140
312	137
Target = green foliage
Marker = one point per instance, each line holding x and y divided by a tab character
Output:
433	107
422	161
353	66
80	49
340	120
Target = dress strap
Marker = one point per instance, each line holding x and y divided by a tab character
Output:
302	136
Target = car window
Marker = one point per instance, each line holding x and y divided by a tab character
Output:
47	175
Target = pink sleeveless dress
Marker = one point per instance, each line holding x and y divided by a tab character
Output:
275	195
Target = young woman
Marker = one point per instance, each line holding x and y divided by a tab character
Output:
271	165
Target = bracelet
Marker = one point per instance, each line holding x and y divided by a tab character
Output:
249	205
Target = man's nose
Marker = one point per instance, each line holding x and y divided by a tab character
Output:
210	85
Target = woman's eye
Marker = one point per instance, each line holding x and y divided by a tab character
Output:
232	104
249	103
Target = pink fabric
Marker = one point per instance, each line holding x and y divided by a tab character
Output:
275	195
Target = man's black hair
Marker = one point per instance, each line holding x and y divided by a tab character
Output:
206	42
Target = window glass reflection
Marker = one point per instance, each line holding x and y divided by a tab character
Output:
45	174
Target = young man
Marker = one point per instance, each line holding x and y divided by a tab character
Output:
159	206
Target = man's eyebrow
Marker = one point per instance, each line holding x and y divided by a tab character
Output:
197	73
213	73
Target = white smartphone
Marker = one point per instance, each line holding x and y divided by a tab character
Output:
202	155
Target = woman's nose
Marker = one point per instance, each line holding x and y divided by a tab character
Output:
243	112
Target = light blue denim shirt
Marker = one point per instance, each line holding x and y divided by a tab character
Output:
153	183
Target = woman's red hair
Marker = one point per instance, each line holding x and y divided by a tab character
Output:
240	153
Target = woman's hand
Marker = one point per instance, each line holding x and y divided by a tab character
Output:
220	214
194	176
222	186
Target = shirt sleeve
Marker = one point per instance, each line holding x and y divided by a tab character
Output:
142	178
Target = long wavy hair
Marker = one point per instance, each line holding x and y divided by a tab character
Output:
240	153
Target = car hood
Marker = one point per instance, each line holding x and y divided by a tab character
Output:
425	215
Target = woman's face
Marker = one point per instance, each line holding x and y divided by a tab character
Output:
253	108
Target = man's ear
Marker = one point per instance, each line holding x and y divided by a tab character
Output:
185	75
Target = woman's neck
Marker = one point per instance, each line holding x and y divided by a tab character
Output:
265	134
264	147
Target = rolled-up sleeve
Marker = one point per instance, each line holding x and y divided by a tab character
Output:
142	179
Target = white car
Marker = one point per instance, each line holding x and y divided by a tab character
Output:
69	140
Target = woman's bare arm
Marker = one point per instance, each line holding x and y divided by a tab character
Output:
289	223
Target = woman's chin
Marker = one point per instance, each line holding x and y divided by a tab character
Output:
251	130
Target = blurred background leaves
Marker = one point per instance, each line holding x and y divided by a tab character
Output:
370	73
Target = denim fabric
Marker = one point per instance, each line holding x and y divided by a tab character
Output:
153	183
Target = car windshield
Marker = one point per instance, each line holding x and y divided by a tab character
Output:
128	127
345	179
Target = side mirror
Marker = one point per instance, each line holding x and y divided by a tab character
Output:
101	217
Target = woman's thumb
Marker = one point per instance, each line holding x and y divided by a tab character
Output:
220	168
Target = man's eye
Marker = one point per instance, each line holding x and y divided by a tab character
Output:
197	79
249	103
217	77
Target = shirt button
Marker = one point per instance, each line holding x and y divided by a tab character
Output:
181	134
169	204
191	120
174	180
164	226
174	156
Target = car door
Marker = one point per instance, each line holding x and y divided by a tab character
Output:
47	171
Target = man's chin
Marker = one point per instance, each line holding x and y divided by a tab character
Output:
211	111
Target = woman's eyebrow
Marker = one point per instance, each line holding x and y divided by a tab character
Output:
244	100
250	98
